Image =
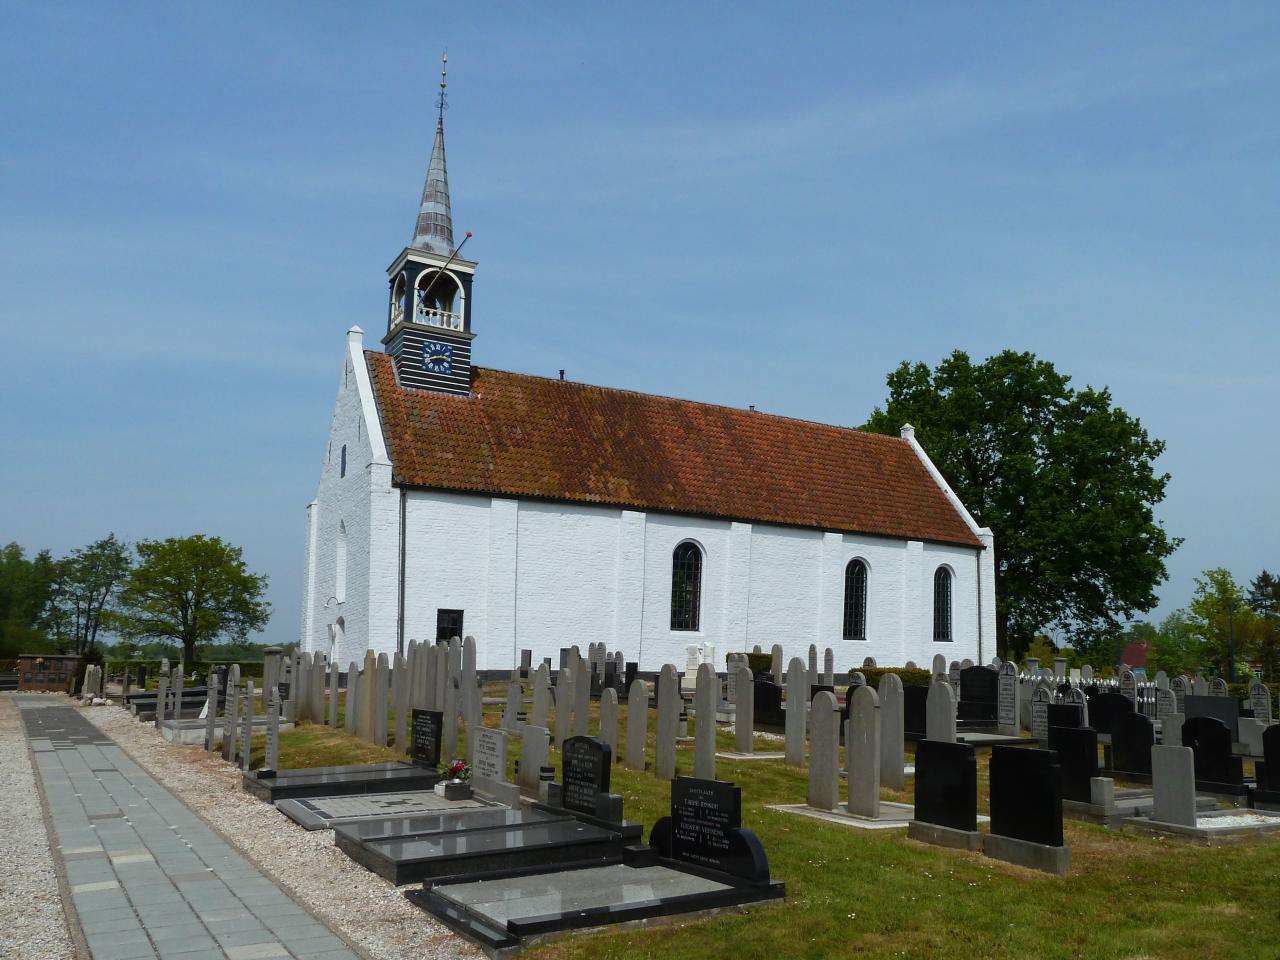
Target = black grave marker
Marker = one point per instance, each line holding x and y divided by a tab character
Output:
587	763
1066	715
1077	749
946	784
705	829
1026	795
1132	737
768	705
1226	709
915	702
426	732
1217	771
1105	709
979	694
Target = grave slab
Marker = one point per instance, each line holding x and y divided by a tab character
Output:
325	813
305	782
893	816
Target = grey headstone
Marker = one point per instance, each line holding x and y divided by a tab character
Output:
868	663
609	720
564	691
813	666
862	749
1171	730
744	718
582	699
704	739
775	662
381	680
473	702
1217	687
892	734
331	714
541	696
162	699
178	681
939	664
315	691
637	723
353	697
1041	697
534	745
364	719
664	767
797	697
828	667
1129	686
272	759
1086	673
1200	687
1162	680
1008	707
824	752
1173	778
231	713
246	728
1180	689
940	712
400	702
211	713
1166	702
1260	700
515	702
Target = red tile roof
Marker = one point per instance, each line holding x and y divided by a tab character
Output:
518	435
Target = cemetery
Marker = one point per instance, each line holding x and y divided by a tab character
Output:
516	809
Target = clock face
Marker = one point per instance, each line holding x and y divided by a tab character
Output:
437	357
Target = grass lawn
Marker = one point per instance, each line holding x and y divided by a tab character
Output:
877	894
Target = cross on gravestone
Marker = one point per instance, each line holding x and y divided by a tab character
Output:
586	767
824	752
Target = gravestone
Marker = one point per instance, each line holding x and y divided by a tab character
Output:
316	689
1040	701
1064	715
979	694
705	830
586	766
862	749
1008	695
564	698
178	680
1026	808
1129	686
489	766
211	712
915	711
775	662
828	667
526	663
1166	702
768	704
364	719
704	741
946	785
535	743
939	664
892	739
812	672
1077	750
1173	780
824	752
231	713
953	677
1180	689
352	709
637	724
515	703
797	690
426	736
541	696
331	714
1218	687
1200	687
1075	697
272	758
664	766
941	719
1106	710
1267	770
246	728
1217	770
744	717
868	663
162	699
582	677
1132	738
1224	709
609	720
1171	730
1260	700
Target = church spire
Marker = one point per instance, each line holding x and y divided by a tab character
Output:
434	230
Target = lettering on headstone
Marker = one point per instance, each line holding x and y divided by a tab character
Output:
1260	701
425	737
703	815
587	763
1008	696
489	760
1040	700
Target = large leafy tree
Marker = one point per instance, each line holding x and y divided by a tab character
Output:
85	587
1223	620
1065	480
1177	647
26	585
191	590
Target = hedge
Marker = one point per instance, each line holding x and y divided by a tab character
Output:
909	677
759	663
250	669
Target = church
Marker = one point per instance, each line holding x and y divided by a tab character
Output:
537	513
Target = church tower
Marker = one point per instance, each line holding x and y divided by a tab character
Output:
429	312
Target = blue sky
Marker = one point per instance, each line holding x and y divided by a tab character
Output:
771	207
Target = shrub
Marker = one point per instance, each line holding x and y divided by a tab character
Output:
759	663
909	678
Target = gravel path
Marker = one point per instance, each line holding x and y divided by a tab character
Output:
367	910
34	925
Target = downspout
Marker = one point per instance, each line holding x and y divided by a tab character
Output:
400	591
977	569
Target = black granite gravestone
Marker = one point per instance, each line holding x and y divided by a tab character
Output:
705	829
1132	737
1226	709
768	705
1106	708
1026	795
587	763
1065	715
979	694
817	688
946	784
915	702
1077	749
1217	771
1267	770
426	733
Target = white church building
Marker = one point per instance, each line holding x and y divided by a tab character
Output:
538	513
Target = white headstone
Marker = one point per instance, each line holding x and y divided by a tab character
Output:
862	749
1260	700
745	713
940	712
824	752
797	695
892	734
637	723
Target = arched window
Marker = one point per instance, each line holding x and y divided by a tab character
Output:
942	605
340	564
855	600
342	468
686	586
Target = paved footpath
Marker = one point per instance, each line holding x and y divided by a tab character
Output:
147	877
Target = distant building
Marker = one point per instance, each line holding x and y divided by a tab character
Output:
46	671
537	513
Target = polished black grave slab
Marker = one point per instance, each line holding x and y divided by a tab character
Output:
326	813
338	781
482	818
497	850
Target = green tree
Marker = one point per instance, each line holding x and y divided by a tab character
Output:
85	588
191	590
25	588
1177	646
1065	481
1221	616
1264	600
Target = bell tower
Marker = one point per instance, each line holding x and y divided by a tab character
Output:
429	310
